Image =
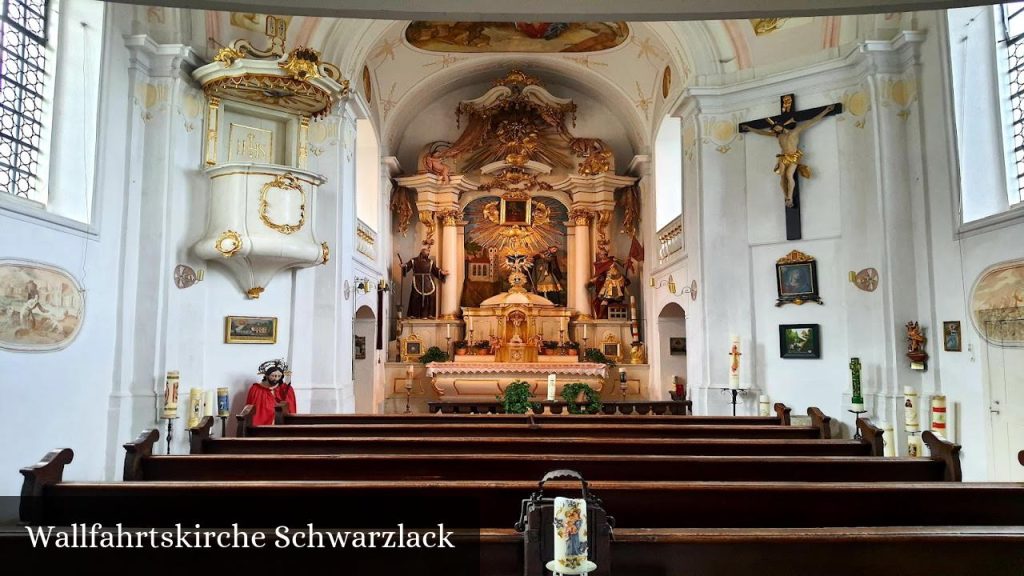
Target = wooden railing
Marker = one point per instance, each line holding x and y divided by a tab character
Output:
670	238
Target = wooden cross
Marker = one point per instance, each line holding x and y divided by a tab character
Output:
786	128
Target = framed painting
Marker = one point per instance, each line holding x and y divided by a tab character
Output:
250	330
611	349
800	341
951	336
411	348
360	347
796	276
676	346
516	211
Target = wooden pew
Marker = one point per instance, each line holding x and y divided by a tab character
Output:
618	407
467	504
545	430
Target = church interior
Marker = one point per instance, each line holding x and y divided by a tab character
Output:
812	220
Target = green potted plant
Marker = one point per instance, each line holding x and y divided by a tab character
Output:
516	399
572	348
577	392
460	347
596	356
483	347
434	354
550	347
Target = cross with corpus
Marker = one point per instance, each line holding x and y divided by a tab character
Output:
786	128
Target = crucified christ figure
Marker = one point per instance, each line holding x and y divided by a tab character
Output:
788	133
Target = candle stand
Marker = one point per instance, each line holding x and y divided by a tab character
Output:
408	394
857	413
736	392
223	426
170	432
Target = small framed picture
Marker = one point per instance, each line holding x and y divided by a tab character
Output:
951	340
360	347
800	341
250	330
797	278
516	211
610	349
676	346
411	348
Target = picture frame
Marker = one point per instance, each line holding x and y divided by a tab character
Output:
359	348
952	336
676	346
800	341
516	211
796	278
411	348
611	349
250	330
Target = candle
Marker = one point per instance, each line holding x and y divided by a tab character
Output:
448	330
680	388
856	400
551	386
910	409
195	406
209	402
171	395
570	534
222	402
409	370
469	324
888	440
584	331
914	447
762	406
939	415
622	374
563	325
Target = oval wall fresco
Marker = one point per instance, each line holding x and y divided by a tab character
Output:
516	36
997	305
41	307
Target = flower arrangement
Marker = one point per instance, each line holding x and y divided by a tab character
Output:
434	354
596	356
572	392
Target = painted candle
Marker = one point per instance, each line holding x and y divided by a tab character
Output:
552	382
856	399
734	362
171	395
195	406
222	402
939	415
570	536
910	416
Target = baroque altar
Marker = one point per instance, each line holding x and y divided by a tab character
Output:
525	243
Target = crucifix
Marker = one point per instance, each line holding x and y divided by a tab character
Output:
786	128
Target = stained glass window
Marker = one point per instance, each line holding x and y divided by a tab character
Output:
23	40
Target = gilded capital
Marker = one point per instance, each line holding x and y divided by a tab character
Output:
450	217
580	216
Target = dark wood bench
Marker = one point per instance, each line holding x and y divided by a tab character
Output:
489	406
46	500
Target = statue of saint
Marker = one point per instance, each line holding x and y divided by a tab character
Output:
608	281
787	163
423	297
547	275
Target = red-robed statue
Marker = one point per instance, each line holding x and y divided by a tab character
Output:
271	391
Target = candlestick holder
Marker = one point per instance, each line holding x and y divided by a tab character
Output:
170	432
469	341
561	338
856	416
223	426
448	348
736	392
408	394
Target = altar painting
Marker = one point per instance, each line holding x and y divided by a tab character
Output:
998	305
437	36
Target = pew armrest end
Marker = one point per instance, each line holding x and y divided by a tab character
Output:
200	434
783	412
946	452
872	435
48	471
244	420
136	451
821	422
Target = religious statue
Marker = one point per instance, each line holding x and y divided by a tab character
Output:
788	133
547	274
915	343
423	297
434	164
638	353
608	281
273	389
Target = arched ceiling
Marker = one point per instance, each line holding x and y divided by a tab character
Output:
628	80
565	10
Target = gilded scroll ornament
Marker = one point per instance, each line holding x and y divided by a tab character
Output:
630	201
228	55
228	243
604	217
401	206
283	182
325	252
450	217
795	257
302	64
427	219
580	216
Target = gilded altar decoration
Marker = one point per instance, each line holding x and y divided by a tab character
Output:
763	26
325	251
283	183
228	243
401	206
796	276
630	202
427	219
42	307
436	36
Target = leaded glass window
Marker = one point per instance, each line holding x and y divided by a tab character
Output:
1013	35
23	40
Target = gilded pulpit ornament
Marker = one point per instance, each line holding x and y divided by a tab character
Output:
786	128
260	192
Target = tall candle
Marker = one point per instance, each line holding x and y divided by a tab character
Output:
222	402
914	447
551	386
570	533
584	331
762	406
622	374
911	419
734	363
409	370
209	402
448	330
939	415
856	400
195	406
171	395
888	440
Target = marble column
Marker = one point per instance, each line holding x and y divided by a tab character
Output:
580	219
449	262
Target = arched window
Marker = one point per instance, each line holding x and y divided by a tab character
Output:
1012	37
368	174
24	90
668	172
